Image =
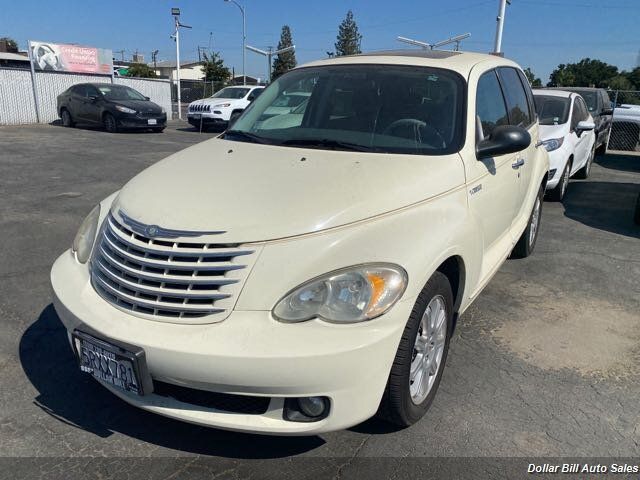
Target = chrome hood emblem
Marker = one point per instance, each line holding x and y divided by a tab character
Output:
155	231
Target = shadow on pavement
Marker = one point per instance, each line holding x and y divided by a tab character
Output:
623	163
607	206
75	399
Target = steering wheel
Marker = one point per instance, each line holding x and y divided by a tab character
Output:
420	130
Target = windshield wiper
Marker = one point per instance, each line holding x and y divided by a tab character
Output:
245	136
326	143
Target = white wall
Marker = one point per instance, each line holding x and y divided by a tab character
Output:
17	103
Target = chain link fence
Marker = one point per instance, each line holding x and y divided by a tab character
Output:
625	126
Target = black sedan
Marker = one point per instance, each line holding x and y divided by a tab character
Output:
116	107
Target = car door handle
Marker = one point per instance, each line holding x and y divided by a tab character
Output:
517	164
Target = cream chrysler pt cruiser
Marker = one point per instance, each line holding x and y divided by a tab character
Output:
305	271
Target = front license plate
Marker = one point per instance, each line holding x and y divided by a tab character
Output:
107	362
152	121
195	116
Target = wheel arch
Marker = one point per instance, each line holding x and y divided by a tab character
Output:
454	269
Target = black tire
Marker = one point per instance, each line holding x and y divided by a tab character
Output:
110	123
397	405
584	172
234	116
559	191
636	216
67	120
527	241
602	149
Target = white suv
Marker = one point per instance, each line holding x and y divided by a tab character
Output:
222	107
295	280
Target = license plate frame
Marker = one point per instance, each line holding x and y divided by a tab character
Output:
195	116
152	121
102	358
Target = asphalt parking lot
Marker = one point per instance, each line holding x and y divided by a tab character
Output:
545	363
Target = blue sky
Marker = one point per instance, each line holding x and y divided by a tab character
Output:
538	33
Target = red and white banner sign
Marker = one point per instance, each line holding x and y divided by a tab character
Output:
70	58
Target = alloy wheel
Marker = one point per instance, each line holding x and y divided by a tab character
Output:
428	350
535	221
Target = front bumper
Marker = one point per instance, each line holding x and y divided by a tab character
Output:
249	353
206	119
557	161
126	120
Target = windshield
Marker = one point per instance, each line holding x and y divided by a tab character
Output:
373	108
230	92
552	110
119	92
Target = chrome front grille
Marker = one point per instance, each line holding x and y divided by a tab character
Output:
165	279
199	108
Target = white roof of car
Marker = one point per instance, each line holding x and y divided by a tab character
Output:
553	93
461	62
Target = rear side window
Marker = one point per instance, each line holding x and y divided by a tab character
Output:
491	110
606	101
516	97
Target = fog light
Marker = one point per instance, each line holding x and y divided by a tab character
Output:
312	406
306	409
552	173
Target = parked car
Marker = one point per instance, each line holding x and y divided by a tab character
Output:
625	130
298	280
600	108
567	133
115	107
223	107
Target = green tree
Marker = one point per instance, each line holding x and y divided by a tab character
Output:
214	69
349	38
586	73
287	60
533	80
140	70
634	77
11	44
620	82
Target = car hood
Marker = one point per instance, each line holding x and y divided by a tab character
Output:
547	132
140	105
214	101
257	192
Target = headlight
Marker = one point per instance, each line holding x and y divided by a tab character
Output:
553	144
122	109
83	242
349	295
222	105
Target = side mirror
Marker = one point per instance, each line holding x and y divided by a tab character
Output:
147	98
585	125
607	111
93	98
503	140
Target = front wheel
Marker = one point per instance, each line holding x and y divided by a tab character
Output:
557	194
110	124
422	353
584	172
527	241
67	121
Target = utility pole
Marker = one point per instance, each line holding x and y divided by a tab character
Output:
497	50
154	58
244	39
269	54
176	36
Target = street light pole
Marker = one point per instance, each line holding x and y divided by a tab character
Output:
176	36
244	40
269	54
500	26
